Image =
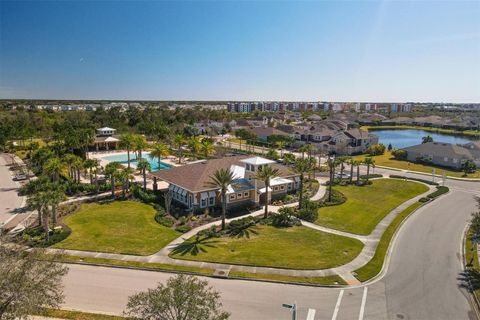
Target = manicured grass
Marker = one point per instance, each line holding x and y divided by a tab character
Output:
367	205
295	248
118	227
134	264
429	129
330	280
75	315
471	259
387	160
374	266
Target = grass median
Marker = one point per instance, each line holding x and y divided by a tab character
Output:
328	280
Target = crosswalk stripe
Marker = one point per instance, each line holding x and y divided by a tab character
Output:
362	307
337	306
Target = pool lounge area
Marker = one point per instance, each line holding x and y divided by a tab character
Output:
123	159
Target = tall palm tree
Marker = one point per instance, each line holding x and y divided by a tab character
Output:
208	148
111	169
53	167
221	179
281	145
358	163
159	151
341	161
265	174
352	162
89	165
56	194
331	163
127	142
289	158
306	148
125	176
143	166
179	141
302	167
140	144
194	145
369	161
77	166
69	160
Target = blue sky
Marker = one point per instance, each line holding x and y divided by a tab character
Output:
226	50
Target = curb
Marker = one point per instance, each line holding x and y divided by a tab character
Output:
472	297
429	174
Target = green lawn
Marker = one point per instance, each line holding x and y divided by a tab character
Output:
118	227
366	206
295	248
387	160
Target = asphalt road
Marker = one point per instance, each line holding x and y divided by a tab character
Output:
421	281
9	200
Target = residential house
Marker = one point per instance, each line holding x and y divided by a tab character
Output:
444	154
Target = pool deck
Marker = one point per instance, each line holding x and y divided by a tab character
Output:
170	160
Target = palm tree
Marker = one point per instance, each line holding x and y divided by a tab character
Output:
302	166
331	163
53	167
194	145
358	163
289	158
265	174
306	148
89	165
111	169
143	166
341	161
369	162
56	194
127	142
140	144
159	151
125	175
77	167
221	179
352	164
281	145
208	148
178	141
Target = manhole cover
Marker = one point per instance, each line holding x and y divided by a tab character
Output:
400	316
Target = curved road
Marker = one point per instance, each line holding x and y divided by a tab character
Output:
420	282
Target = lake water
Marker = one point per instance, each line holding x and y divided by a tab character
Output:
123	159
401	138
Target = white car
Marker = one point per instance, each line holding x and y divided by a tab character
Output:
343	176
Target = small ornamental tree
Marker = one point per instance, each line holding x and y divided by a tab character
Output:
182	298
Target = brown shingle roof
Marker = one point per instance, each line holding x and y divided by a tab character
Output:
195	177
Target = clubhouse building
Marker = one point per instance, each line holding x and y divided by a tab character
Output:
190	188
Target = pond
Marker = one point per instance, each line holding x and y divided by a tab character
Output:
401	138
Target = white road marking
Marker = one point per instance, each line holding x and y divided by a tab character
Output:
362	307
337	306
311	314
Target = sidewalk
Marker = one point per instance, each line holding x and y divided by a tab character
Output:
345	271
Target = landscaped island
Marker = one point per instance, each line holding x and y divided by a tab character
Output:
367	205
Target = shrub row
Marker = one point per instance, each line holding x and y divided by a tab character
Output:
371	176
414	179
440	190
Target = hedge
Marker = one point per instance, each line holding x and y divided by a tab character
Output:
371	176
440	190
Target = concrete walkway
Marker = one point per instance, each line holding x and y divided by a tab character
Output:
345	271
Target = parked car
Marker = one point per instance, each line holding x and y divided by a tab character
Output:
343	176
20	177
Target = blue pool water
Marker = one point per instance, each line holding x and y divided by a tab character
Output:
401	138
123	159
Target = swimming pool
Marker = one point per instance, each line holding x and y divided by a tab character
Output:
123	159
